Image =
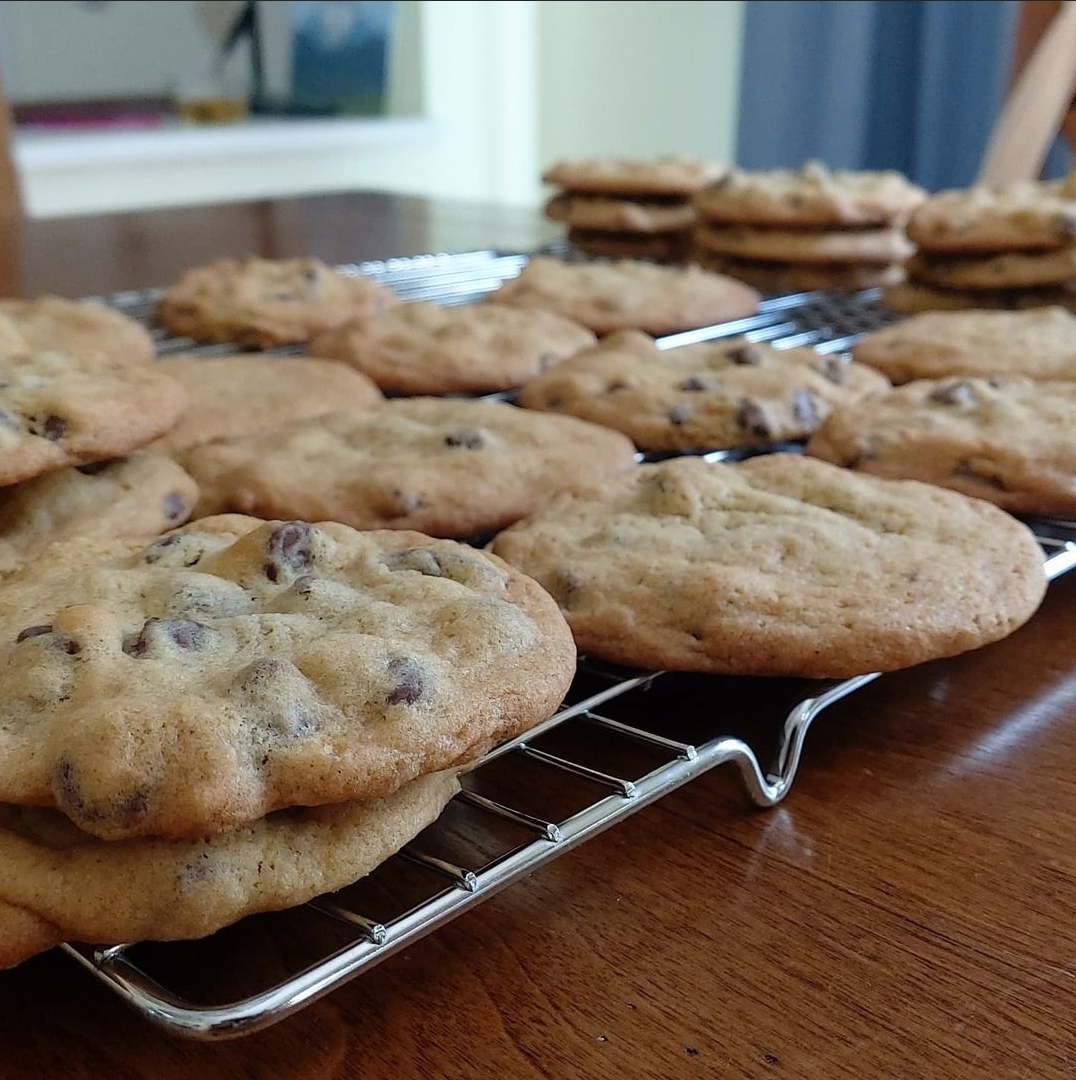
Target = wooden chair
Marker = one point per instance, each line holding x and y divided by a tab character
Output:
11	208
10	198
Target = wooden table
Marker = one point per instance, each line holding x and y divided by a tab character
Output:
906	912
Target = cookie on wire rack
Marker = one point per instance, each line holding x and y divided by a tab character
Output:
235	667
258	303
79	327
141	495
232	396
629	294
62	408
1007	439
60	884
1039	342
427	348
716	395
451	467
778	565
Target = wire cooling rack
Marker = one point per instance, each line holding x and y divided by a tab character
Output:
620	740
809	318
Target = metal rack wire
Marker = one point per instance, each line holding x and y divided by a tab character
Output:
812	318
620	740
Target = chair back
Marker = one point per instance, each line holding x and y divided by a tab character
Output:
11	208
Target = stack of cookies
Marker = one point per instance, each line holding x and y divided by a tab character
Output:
244	714
793	230
991	247
209	720
627	208
80	401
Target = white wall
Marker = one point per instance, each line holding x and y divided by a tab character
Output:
637	79
504	87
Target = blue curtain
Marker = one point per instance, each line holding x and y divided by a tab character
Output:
913	85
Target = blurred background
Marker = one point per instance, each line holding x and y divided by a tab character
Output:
130	105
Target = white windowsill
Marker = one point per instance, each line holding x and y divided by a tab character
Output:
64	148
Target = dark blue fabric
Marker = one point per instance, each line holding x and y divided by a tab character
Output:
914	85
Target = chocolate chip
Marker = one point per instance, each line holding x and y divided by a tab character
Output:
679	415
181	633
291	549
119	813
692	383
468	439
175	507
470	570
264	672
833	367
155	551
410	681
614	385
745	355
61	642
275	689
751	417
53	427
291	721
955	393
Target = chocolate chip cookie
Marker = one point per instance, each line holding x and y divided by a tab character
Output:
242	394
812	195
708	396
260	303
460	468
1037	342
629	294
141	495
779	565
235	667
66	408
78	327
58	883
427	348
1007	439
